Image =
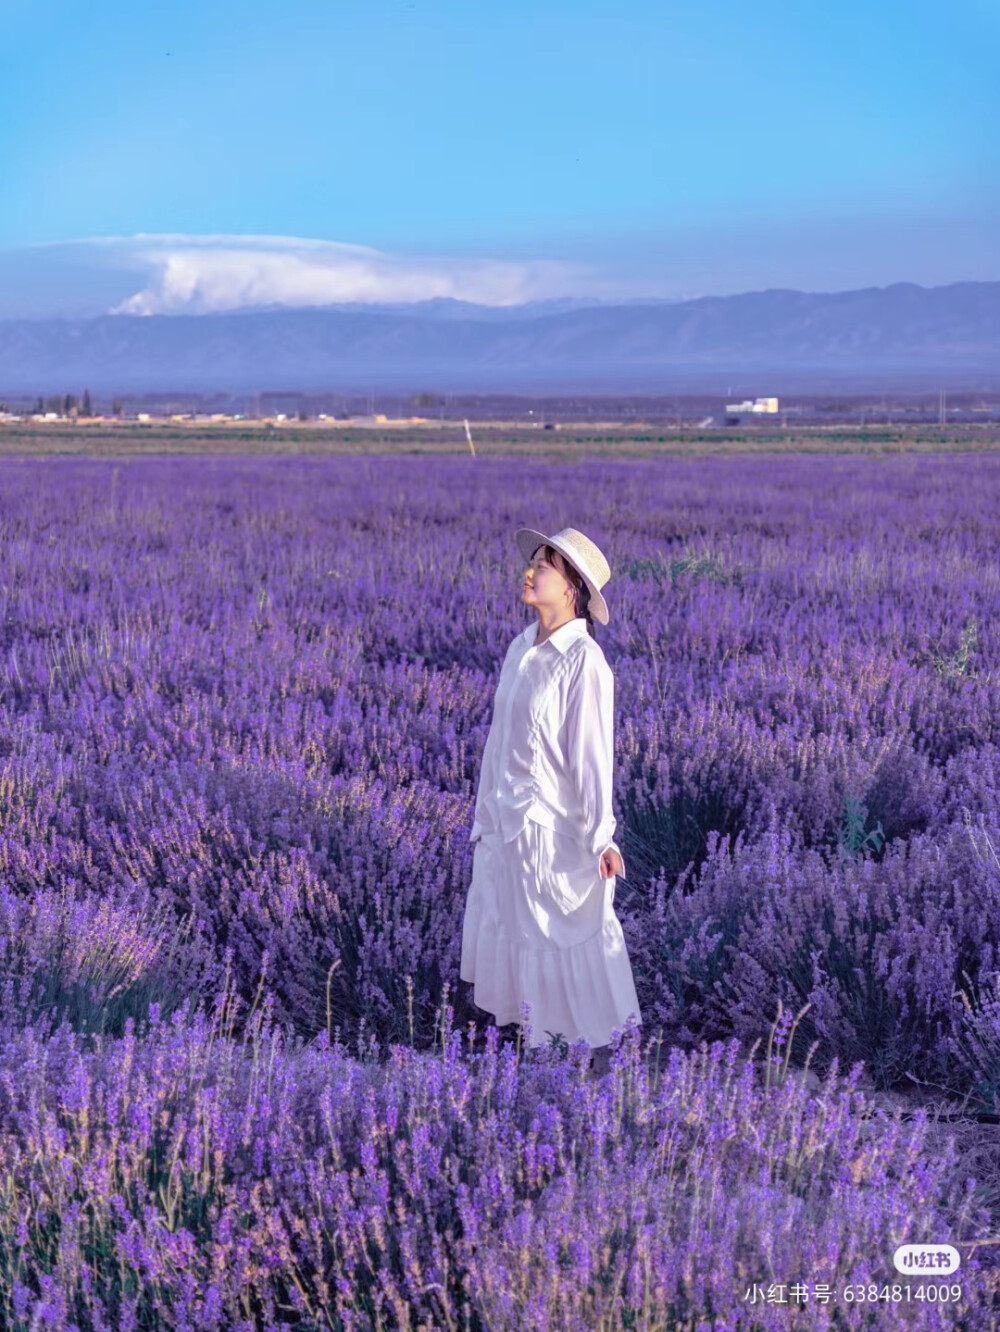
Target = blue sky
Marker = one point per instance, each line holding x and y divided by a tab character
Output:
646	148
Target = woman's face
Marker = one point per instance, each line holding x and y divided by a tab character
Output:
545	586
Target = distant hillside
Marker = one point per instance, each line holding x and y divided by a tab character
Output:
897	336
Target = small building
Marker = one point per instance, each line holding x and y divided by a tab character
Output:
736	411
758	405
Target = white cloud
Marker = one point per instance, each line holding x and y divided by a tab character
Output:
204	274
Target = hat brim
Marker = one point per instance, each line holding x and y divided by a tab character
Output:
528	541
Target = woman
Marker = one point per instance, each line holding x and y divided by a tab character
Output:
539	921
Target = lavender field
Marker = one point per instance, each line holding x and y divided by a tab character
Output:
244	702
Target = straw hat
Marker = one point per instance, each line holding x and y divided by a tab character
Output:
577	550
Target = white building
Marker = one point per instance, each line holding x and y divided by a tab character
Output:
758	405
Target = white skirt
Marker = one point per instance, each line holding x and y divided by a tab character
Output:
540	927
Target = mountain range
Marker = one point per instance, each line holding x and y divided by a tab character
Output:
898	337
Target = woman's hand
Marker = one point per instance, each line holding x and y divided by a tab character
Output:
611	863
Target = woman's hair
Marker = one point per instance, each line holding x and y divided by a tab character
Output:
579	586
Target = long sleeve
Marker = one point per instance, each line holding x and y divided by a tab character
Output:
590	734
483	820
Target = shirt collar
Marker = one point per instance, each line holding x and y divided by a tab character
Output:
562	637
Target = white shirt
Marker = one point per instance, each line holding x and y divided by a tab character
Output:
550	749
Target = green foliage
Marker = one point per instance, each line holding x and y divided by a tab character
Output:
696	566
853	841
958	662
